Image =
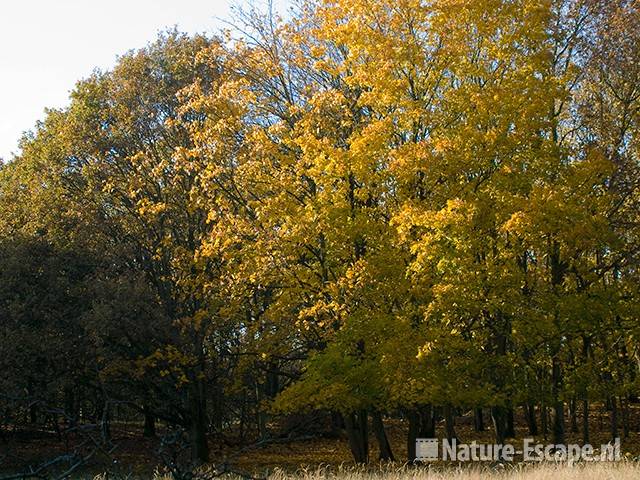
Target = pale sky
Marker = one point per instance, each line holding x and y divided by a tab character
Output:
48	45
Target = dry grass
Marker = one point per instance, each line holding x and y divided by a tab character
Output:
594	471
585	471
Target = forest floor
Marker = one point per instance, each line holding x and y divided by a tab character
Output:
316	456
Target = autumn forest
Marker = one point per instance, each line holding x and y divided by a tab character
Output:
368	216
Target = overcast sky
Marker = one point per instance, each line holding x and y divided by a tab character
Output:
47	45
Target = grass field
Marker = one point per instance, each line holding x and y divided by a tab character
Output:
620	471
604	471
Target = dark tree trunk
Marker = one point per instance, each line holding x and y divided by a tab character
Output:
530	410
499	418
427	421
586	352
544	419
624	406
243	417
558	405
337	424
510	431
266	390
105	422
414	428
614	418
149	429
422	424
357	432
573	406
198	422
585	421
558	270
478	419
272	384
381	437
70	408
499	346
217	406
33	413
261	415
449	422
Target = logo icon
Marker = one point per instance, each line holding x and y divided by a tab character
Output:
426	449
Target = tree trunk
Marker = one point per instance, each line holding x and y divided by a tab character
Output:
449	422
70	408
478	420
105	423
558	405
530	410
625	417
499	346
357	432
614	418
149	429
422	424
243	417
272	383
414	428
383	442
217	406
427	421
510	431
586	352
198	422
499	418
337	424
573	406
261	416
585	421
33	414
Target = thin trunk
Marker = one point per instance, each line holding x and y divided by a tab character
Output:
510	431
624	406
357	432
449	422
381	437
427	421
558	269
530	410
337	424
33	414
499	346
544	419
217	406
105	423
614	418
585	421
149	429
243	415
499	418
558	405
478	420
573	406
414	427
586	352
261	416
198	422
70	408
